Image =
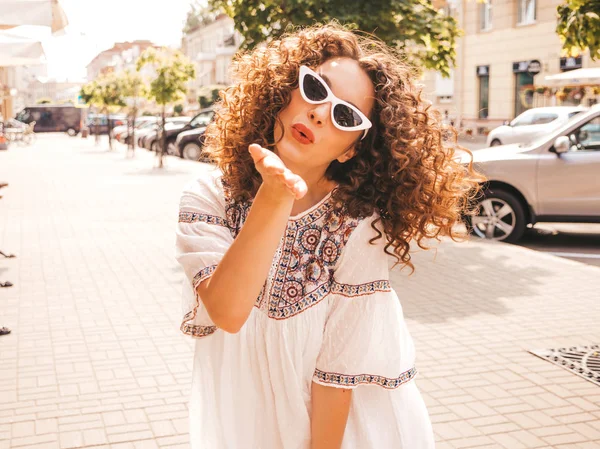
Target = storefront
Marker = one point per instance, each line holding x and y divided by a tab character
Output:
525	72
483	76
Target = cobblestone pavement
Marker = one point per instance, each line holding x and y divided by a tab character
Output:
96	360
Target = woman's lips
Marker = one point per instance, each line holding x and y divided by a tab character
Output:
302	134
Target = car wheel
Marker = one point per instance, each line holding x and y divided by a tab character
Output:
71	132
495	143
192	151
171	148
498	215
154	146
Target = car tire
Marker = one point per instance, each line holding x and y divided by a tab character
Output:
498	215
71	132
495	143
154	146
192	151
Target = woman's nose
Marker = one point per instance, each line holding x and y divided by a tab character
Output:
319	114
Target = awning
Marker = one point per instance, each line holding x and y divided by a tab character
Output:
579	77
49	13
17	50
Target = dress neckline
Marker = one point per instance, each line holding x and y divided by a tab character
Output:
313	208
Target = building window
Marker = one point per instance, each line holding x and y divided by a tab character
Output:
525	11
485	16
483	74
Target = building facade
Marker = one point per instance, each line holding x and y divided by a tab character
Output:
122	56
508	49
211	48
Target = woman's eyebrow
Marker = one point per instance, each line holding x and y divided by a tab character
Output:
328	81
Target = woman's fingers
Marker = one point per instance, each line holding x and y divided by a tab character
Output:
265	160
272	168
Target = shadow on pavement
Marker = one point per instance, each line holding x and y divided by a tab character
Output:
465	280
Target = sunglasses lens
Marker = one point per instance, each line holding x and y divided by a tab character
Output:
314	89
346	116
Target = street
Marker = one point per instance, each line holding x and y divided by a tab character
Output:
96	359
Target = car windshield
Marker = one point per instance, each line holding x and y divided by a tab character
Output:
548	137
201	120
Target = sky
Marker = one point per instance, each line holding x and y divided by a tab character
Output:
96	25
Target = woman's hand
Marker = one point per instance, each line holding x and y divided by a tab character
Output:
277	178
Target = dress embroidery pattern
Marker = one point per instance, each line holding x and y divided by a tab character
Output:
193	329
305	265
193	217
352	381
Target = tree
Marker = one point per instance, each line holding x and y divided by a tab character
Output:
132	88
579	27
209	94
178	109
44	101
424	34
172	72
105	92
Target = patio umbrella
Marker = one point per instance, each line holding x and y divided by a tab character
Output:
17	50
14	13
579	77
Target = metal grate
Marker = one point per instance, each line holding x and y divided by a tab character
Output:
581	360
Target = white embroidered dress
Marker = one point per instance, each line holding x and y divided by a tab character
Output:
326	314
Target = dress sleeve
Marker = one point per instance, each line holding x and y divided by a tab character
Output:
366	341
202	238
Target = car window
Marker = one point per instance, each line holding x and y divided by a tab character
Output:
574	113
541	118
586	137
524	119
201	119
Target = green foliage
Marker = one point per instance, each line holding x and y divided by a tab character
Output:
209	94
579	27
178	109
105	92
132	85
427	36
172	71
44	101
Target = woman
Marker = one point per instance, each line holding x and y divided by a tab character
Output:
328	161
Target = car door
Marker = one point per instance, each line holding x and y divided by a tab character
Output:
569	184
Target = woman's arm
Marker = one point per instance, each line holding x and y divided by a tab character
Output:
230	293
330	408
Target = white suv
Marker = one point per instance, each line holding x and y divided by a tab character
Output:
553	178
531	124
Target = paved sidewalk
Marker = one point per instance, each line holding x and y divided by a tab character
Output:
96	360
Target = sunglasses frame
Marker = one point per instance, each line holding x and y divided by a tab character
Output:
331	98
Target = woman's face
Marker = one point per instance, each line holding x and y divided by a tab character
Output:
326	143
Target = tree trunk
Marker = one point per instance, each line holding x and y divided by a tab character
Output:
97	126
163	138
109	130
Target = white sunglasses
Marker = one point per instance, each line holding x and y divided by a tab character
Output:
344	116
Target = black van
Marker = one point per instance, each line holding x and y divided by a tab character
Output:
54	118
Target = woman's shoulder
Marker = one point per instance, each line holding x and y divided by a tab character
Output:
206	186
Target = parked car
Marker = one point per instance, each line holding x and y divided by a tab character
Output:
102	125
54	118
531	124
189	144
554	178
151	141
199	122
121	132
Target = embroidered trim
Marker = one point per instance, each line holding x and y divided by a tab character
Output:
369	288
193	217
353	381
193	329
203	274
